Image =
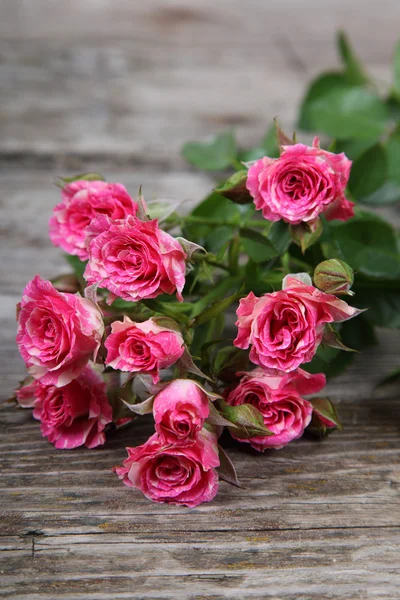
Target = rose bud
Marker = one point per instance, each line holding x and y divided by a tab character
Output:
285	328
279	399
142	347
83	201
71	416
303	183
182	475
134	259
57	332
334	276
180	410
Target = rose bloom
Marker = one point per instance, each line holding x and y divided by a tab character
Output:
285	328
180	410
57	332
279	399
173	473
71	416
83	201
134	259
142	347
301	184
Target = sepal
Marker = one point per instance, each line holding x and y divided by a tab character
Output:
306	234
246	421
226	469
324	418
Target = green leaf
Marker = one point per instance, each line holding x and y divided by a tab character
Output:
63	181
228	361
319	87
246	420
386	195
359	333
382	298
368	172
203	334
393	154
214	310
235	188
348	112
214	155
167	309
257	246
396	67
368	244
217	239
270	143
215	206
78	265
141	408
353	148
355	73
215	417
279	235
222	288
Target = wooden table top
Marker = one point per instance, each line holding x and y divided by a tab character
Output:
117	86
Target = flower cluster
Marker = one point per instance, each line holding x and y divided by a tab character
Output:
177	464
123	342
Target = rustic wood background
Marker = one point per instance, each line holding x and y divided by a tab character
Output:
118	86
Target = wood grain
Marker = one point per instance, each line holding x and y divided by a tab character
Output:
118	86
131	79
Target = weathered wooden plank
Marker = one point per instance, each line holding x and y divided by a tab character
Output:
117	86
190	22
282	565
350	480
139	79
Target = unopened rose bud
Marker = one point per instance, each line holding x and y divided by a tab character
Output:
334	276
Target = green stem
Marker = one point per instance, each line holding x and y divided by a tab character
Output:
221	223
215	263
236	164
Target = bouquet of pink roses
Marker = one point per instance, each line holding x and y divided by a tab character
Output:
139	326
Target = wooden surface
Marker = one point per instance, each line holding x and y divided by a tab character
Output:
117	86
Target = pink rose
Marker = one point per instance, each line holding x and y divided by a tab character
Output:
134	259
73	415
301	184
285	328
173	473
180	410
57	332
142	347
278	398
83	201
26	394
